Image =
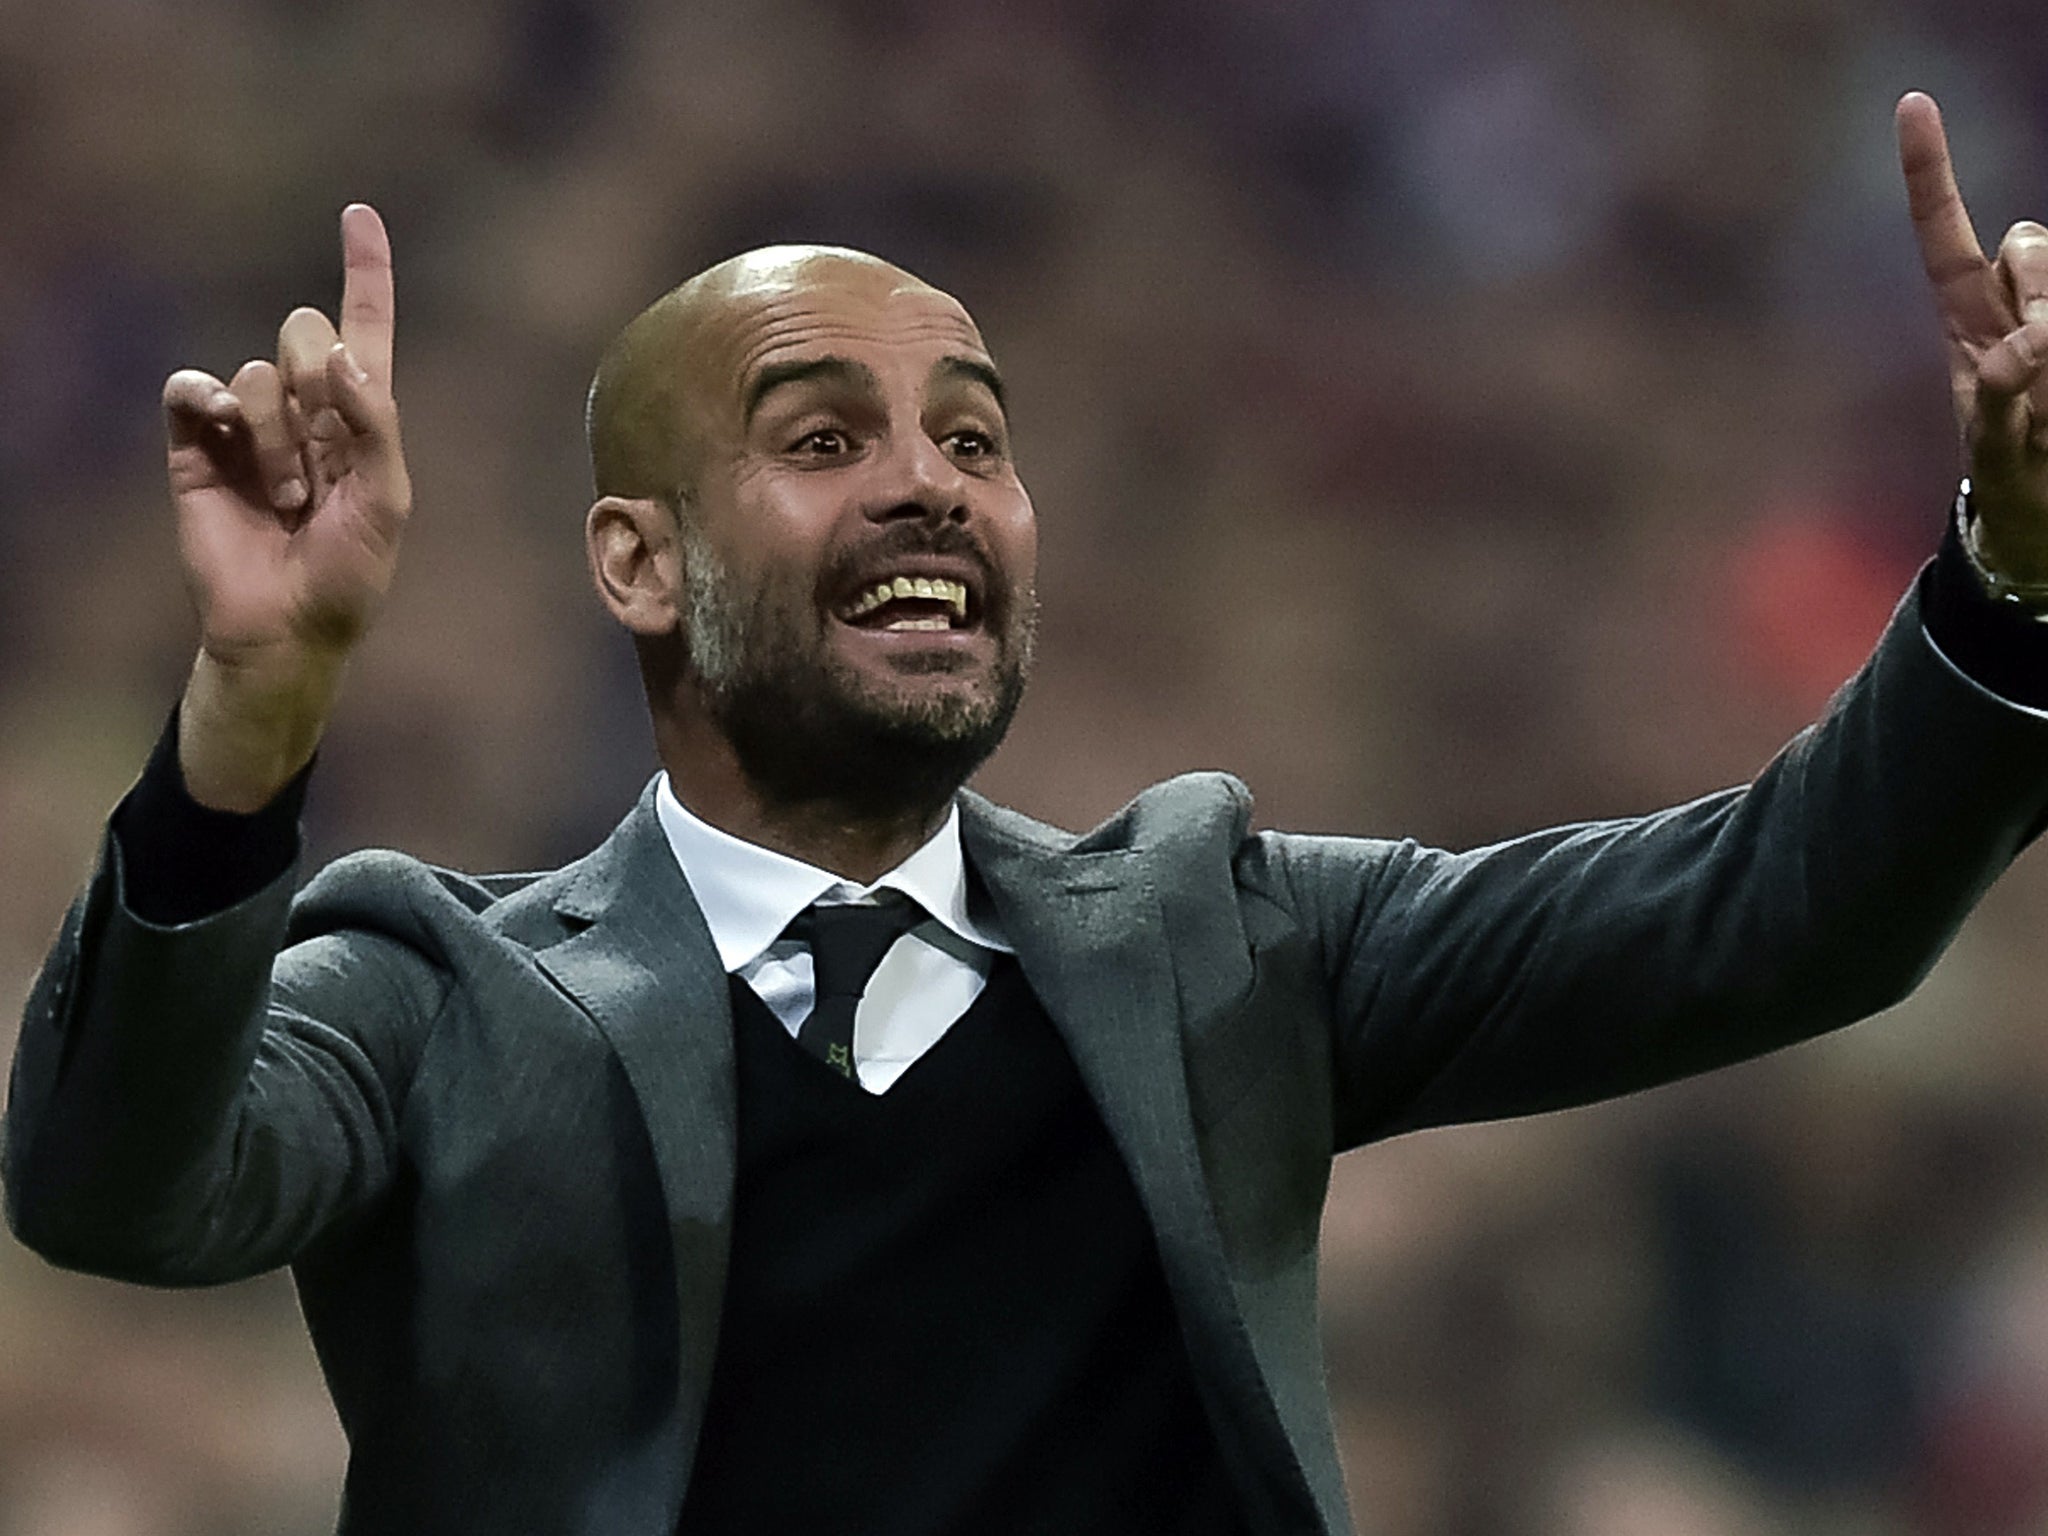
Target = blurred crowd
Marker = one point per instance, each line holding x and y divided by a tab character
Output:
1453	418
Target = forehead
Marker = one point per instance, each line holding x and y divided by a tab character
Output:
868	311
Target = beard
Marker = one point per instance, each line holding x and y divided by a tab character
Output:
808	728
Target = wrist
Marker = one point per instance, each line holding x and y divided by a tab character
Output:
246	727
1994	572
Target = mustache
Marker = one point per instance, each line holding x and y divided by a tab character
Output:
879	555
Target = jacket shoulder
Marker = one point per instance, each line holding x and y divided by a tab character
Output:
1186	813
423	904
426	904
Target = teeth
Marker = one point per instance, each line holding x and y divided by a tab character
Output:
933	623
933	589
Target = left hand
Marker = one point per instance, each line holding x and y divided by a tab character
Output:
1995	316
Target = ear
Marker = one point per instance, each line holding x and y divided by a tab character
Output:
635	562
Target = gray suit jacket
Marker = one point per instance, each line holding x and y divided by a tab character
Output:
490	1123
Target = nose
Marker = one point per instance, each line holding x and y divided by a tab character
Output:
919	481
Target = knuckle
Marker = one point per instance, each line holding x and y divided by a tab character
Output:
305	328
2027	244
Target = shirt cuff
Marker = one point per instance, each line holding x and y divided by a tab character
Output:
2001	647
182	861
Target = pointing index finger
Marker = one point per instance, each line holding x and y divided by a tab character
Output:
1965	287
369	312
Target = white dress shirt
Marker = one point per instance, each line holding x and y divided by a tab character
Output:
749	894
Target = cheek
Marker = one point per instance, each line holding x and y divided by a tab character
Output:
783	525
1015	531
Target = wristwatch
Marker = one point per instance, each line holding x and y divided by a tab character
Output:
2029	596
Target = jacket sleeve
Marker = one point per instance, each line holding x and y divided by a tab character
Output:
1593	960
197	1102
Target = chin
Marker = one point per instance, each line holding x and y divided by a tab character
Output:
938	716
871	750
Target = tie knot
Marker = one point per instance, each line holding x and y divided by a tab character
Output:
848	942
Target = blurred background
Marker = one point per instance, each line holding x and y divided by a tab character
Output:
1452	418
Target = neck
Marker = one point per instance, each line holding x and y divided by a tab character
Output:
857	844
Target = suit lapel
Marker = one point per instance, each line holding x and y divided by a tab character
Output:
645	971
1091	938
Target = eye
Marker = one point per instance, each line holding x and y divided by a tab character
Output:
824	443
970	444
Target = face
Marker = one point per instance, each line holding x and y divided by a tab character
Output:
858	552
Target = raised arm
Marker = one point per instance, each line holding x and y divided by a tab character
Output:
1594	960
187	1106
291	495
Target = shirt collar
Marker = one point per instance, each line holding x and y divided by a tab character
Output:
749	893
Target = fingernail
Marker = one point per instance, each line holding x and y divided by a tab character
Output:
292	492
355	369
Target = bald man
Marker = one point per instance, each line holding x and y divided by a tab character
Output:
774	443
832	1150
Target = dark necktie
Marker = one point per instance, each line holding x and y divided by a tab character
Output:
847	943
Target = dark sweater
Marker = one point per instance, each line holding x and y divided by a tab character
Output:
945	1311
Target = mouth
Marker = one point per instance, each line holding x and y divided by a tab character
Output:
911	604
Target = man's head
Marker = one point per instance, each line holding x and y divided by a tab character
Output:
809	518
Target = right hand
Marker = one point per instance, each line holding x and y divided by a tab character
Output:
291	494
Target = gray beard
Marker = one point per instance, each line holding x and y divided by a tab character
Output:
715	629
806	731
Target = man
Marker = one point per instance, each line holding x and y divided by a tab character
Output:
832	1150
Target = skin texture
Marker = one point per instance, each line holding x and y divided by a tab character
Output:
733	525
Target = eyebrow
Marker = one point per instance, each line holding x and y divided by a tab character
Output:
845	370
779	375
975	371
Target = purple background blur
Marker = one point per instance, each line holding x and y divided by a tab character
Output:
1454	418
